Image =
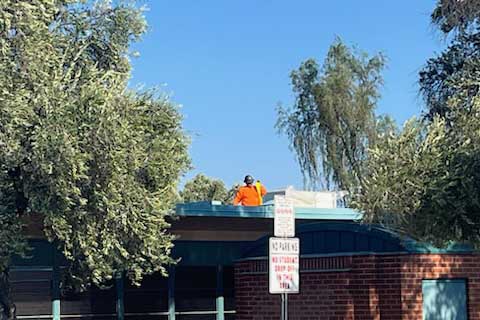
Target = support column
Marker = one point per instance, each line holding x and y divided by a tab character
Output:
55	283
120	296
220	299
171	293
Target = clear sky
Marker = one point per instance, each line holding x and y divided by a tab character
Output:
227	62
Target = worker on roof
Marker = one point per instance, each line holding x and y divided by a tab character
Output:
250	194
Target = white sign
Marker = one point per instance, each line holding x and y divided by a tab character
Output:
284	257
284	217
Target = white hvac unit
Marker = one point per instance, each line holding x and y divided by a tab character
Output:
307	199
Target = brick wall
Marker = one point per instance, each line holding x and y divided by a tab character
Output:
355	287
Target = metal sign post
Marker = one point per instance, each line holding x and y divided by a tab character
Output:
284	314
286	306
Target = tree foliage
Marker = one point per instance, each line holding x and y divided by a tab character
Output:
425	179
11	243
333	121
460	15
203	188
98	162
460	61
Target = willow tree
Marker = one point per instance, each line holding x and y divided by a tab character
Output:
332	122
97	162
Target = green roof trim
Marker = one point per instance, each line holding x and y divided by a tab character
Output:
351	238
414	246
211	209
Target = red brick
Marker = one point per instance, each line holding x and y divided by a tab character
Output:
376	287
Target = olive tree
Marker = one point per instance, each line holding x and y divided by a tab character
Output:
98	162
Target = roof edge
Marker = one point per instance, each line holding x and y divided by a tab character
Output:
212	209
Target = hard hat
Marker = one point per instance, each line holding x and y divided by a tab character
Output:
248	179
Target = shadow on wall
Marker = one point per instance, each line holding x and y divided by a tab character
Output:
444	299
440	283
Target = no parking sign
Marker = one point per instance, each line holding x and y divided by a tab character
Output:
284	257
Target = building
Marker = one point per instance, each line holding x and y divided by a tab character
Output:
347	271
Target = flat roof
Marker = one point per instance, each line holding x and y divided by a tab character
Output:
211	209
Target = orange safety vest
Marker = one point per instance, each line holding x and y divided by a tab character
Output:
249	196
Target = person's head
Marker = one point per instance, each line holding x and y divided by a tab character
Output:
248	180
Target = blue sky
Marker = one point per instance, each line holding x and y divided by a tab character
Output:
228	63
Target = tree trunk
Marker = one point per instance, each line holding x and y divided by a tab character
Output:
7	308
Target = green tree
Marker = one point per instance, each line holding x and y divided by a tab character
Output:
333	121
99	163
231	193
425	179
460	61
460	15
203	188
11	242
